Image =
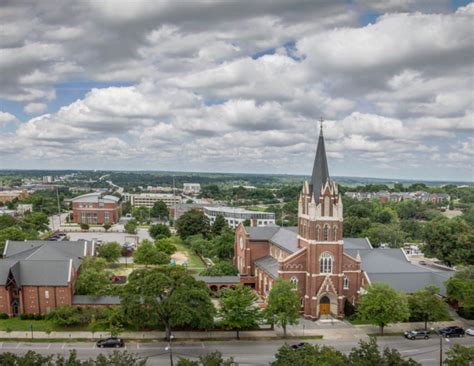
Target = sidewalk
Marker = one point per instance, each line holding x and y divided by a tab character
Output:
338	330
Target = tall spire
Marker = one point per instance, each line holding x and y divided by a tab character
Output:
320	173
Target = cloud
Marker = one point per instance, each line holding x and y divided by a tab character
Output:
35	108
6	117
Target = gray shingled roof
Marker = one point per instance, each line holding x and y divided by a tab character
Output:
95	300
285	239
261	232
41	263
220	279
357	243
269	265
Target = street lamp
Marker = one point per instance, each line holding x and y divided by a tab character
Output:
168	348
440	345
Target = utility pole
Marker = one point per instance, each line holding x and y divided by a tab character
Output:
59	208
170	349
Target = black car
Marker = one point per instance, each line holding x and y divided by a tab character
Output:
299	345
417	334
449	332
110	343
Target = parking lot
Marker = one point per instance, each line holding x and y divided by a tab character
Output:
111	236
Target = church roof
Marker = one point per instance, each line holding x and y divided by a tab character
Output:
320	174
269	265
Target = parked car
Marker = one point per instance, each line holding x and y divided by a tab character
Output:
112	342
417	334
449	332
470	331
423	263
298	345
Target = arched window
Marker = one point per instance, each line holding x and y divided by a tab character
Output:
346	283
318	232
335	232
294	281
325	232
325	263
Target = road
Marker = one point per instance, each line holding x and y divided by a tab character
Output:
244	352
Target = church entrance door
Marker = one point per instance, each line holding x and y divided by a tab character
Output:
324	306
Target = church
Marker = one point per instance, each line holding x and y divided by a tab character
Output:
326	269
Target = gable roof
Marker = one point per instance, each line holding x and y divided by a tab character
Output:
284	237
357	243
269	265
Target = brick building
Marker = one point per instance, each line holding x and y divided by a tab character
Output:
325	268
8	196
37	276
95	209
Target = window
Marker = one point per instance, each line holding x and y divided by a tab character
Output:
106	217
294	281
325	263
325	232
318	233
335	233
346	283
46	294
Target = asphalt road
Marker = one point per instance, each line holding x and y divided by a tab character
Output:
244	352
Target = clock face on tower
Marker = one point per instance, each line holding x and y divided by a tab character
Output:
241	243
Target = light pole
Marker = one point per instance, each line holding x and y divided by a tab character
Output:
170	349
440	345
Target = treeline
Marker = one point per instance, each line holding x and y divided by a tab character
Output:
26	227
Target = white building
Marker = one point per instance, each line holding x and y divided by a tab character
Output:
47	179
149	199
191	188
22	208
236	215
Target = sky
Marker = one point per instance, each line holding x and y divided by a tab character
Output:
239	86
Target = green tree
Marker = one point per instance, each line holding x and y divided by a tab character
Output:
84	227
385	233
15	233
64	316
159	231
426	306
211	359
385	216
460	287
141	214
193	222
110	251
106	227
309	355
449	240
355	226
171	297
6	221
221	268
283	304
147	253
93	279
219	224
238	310
168	245
35	221
459	355
407	210
131	227
382	305
223	245
368	354
159	210
200	245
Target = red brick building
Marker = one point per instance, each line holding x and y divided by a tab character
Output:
37	276
326	269
95	209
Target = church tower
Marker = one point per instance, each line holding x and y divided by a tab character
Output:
320	231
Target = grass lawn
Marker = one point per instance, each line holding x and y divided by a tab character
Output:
194	262
16	324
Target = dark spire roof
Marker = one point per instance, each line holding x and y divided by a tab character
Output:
320	167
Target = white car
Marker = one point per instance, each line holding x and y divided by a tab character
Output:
470	331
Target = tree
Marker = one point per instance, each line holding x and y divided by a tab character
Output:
238	310
459	355
219	224
15	233
355	226
141	214
193	222
159	230
385	216
84	227
6	221
93	279
110	251
449	240
131	227
106	227
211	359
222	246
425	305
221	268
460	287
159	210
309	355
167	296
283	304
368	354
382	305
147	253
35	221
385	233
64	316
167	245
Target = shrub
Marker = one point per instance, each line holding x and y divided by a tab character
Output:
466	313
4	316
24	316
38	317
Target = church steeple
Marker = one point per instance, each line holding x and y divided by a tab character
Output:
320	173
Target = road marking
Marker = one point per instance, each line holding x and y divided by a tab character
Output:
410	350
427	359
64	345
138	345
49	346
17	346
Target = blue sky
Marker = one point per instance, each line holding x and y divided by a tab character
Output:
222	87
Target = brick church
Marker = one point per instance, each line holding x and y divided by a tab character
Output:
326	268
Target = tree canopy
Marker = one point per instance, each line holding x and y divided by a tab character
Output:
221	268
93	278
159	231
147	253
426	306
159	210
193	222
110	251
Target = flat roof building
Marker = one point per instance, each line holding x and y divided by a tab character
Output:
95	209
149	199
236	215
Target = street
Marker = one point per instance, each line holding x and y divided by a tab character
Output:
244	352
